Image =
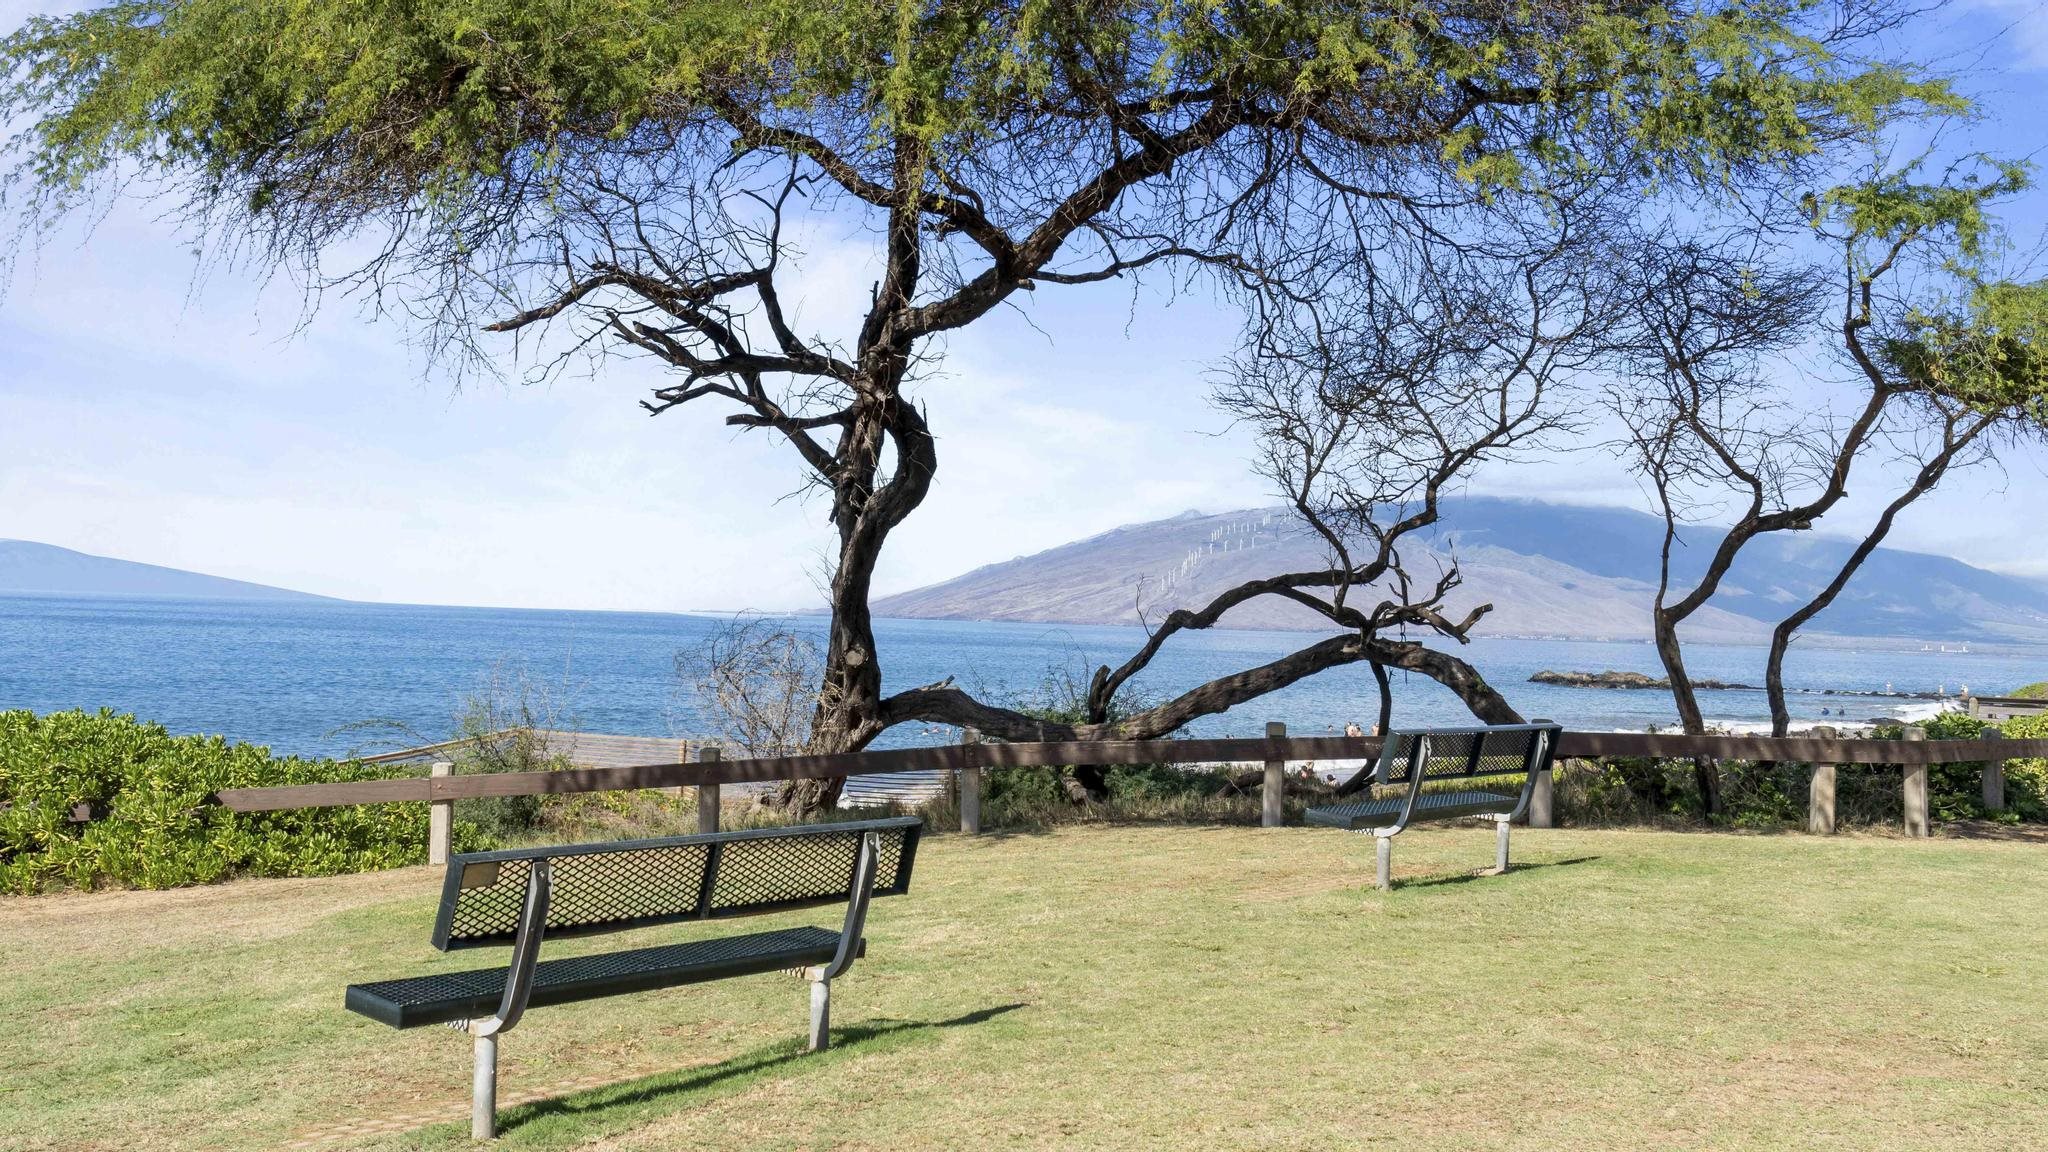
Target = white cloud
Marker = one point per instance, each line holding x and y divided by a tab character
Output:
2021	27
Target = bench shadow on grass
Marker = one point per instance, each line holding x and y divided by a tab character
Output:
1490	874
633	1097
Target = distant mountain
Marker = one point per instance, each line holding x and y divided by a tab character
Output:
47	570
1548	570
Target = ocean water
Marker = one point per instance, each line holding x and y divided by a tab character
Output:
341	678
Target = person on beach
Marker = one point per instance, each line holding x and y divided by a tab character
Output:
1352	729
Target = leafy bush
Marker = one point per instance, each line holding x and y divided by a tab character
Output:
2026	781
2031	692
152	828
1765	796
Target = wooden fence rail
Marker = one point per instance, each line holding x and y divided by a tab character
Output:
959	757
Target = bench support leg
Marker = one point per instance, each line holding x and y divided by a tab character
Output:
1500	855
483	1103
821	1015
1384	851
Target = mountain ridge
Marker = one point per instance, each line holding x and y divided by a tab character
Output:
31	568
1560	570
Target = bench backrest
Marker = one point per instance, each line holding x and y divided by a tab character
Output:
641	883
1466	753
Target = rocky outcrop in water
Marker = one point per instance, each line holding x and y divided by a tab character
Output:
1613	679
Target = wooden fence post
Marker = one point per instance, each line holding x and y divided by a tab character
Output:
1994	776
968	788
1276	779
440	819
1541	812
1820	790
707	794
1820	801
1916	789
682	757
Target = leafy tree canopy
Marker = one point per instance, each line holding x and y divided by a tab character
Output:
310	116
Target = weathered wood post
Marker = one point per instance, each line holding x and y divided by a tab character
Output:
707	794
1820	801
682	757
1916	789
1276	779
1820	792
440	819
1994	776
969	787
1541	814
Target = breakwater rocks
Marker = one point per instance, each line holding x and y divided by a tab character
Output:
1613	679
1625	680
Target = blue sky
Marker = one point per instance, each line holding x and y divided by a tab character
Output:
153	413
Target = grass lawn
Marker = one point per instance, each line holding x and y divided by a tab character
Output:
1116	987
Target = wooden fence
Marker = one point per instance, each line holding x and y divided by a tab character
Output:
1913	756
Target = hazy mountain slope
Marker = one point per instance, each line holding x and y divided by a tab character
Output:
1547	569
45	569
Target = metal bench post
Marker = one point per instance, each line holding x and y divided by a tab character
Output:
707	794
1418	762
1274	794
483	1091
533	918
865	862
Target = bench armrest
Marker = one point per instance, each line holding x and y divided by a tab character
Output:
533	922
865	863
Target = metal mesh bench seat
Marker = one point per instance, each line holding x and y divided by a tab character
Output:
1427	767
418	1000
522	895
1432	805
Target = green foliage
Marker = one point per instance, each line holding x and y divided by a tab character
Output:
1773	796
1970	336
1990	350
2031	692
2026	781
153	827
316	114
1895	209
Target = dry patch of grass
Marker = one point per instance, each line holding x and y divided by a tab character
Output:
1118	987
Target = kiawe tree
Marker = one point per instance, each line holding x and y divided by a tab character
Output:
627	179
1940	363
1955	352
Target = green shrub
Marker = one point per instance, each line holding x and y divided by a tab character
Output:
2031	692
2026	781
152	827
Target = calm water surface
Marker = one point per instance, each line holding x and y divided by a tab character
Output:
333	678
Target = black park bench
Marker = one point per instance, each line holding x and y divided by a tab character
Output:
1428	768
517	896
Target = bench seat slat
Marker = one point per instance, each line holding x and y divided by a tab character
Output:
419	1000
1434	805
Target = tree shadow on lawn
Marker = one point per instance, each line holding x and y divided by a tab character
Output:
1490	874
601	1108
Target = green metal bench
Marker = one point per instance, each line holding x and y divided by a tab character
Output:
516	897
1421	763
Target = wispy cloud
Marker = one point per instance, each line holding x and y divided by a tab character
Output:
2021	27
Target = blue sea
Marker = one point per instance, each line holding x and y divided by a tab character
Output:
338	678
